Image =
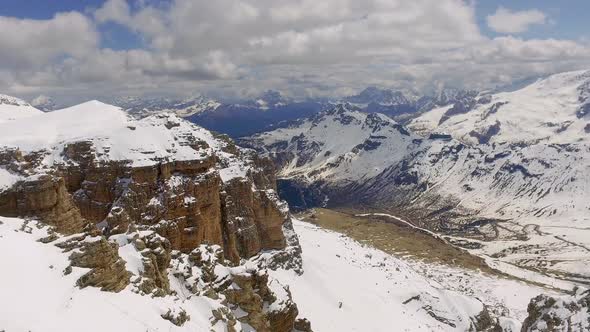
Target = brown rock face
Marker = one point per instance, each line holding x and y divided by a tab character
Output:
46	198
107	268
184	201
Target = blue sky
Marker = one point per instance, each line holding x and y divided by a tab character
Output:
113	35
301	47
569	22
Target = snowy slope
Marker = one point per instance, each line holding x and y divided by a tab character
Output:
551	110
12	108
340	146
373	286
377	291
506	192
42	298
114	134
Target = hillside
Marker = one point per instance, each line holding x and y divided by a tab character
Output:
553	110
510	196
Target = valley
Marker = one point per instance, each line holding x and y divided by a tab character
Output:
393	238
294	166
450	235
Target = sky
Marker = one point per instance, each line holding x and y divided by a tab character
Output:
76	50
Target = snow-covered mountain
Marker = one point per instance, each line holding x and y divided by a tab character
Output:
179	225
385	97
44	103
142	107
555	110
12	108
512	190
270	99
158	224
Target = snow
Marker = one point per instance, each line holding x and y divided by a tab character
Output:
114	136
232	172
543	111
42	298
7	179
133	258
12	109
373	286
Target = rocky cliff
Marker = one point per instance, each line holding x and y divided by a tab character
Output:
161	185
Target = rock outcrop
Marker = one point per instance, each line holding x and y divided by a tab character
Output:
107	269
557	314
252	297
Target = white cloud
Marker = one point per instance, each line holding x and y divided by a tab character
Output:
33	43
305	47
507	21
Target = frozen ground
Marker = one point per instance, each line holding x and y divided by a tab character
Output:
37	296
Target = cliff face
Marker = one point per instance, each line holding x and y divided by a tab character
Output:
131	201
186	201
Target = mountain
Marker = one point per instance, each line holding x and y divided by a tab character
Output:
12	109
44	103
155	219
142	107
402	108
268	111
553	110
158	224
514	193
272	110
270	99
385	97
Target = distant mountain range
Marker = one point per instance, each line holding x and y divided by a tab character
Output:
509	166
272	110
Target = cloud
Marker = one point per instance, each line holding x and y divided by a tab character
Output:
507	21
302	47
35	43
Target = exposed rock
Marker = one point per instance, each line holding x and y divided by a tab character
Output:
553	314
303	325
177	319
47	198
107	268
267	304
186	201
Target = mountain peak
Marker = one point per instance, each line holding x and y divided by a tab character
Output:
12	108
380	96
9	100
270	98
44	103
